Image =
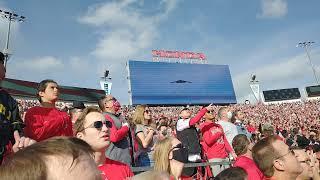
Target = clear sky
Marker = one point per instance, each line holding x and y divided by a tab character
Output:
73	42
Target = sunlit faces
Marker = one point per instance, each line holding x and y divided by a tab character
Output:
50	94
147	114
240	116
304	160
98	139
209	115
63	167
286	161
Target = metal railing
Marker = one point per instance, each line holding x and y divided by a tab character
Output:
147	168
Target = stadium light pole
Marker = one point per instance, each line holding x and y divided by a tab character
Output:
305	45
255	87
10	16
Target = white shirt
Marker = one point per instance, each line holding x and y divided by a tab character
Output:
183	124
230	130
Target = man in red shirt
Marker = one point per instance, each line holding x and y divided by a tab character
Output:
242	148
215	143
46	121
92	127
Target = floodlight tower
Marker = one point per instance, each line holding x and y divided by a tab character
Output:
305	45
10	16
255	87
106	83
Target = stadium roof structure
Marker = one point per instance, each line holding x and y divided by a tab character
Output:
28	89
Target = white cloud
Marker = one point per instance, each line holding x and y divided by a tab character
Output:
126	32
40	64
273	8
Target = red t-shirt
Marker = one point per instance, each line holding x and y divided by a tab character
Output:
251	129
250	167
215	143
114	170
43	123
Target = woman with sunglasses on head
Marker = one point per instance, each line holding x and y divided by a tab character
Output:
93	128
170	156
144	135
45	121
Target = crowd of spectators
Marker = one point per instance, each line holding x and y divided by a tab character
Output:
296	124
284	116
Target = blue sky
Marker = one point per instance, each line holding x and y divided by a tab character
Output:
73	42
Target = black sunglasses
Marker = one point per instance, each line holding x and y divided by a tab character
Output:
210	112
98	125
147	111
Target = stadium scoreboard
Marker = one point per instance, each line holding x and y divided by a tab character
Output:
313	91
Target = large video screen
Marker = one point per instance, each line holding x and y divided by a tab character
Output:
161	83
281	94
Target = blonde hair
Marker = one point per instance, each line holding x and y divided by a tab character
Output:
138	115
161	155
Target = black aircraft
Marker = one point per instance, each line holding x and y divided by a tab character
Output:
180	81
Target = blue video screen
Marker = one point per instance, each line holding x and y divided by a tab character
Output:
162	83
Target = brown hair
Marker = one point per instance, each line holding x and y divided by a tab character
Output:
42	87
79	124
240	144
101	102
138	115
161	155
264	153
30	163
232	173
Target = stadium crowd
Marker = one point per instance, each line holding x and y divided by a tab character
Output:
58	140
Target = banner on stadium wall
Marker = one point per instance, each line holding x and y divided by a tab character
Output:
106	86
178	54
255	89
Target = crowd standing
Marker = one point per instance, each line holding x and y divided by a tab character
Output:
57	140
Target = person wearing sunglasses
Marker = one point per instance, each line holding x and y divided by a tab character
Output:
170	156
308	163
144	135
275	159
119	149
93	128
215	144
